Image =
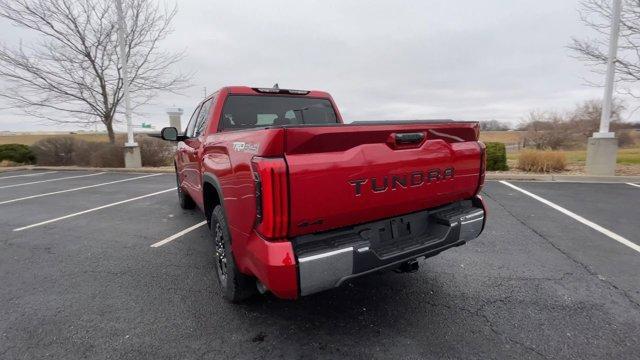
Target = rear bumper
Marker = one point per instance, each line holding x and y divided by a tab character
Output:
316	262
326	260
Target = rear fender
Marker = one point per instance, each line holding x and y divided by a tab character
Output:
209	179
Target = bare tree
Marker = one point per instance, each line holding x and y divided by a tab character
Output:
545	130
493	125
570	129
72	75
584	120
596	14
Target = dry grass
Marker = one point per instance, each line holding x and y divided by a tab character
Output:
506	137
629	156
8	163
30	139
542	161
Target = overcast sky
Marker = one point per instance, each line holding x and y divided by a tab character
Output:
466	60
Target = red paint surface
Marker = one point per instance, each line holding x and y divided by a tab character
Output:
321	160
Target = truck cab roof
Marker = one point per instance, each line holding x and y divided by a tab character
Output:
247	90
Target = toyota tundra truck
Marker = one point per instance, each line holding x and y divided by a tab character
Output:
298	201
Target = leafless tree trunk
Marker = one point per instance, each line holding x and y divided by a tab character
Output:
72	75
596	14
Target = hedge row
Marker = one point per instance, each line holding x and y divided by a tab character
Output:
69	151
66	150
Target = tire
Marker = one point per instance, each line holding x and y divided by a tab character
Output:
235	286
184	199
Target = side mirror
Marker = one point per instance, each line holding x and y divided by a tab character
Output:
169	133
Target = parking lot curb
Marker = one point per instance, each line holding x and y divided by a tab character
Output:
562	178
165	169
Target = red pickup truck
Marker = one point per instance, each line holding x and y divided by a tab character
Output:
299	202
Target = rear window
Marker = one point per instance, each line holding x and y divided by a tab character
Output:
246	111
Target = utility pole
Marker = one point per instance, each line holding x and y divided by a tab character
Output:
131	150
602	148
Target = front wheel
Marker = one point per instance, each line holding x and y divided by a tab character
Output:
184	199
234	285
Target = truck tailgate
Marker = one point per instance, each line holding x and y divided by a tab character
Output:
351	174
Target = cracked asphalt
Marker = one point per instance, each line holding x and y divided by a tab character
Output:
536	284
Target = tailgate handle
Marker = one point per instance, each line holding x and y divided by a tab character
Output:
409	138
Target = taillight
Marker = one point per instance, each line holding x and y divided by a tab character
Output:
483	165
272	196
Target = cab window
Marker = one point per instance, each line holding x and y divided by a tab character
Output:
203	116
188	131
249	111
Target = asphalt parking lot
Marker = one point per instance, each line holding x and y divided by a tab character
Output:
79	278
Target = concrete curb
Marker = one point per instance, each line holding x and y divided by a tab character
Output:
561	178
166	169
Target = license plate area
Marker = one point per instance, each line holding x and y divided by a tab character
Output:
401	234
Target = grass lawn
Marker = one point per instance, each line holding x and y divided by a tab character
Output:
507	137
29	139
630	156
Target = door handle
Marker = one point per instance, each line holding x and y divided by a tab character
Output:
405	140
409	138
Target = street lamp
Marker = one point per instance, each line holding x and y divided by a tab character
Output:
132	157
602	148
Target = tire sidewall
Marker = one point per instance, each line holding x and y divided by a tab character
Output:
228	288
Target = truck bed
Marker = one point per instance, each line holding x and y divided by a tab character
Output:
342	175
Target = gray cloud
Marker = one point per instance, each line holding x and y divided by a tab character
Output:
471	60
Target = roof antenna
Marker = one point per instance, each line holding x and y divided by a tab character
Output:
275	86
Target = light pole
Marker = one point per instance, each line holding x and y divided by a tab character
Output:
602	148
131	150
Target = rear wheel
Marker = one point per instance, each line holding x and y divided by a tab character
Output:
183	198
234	285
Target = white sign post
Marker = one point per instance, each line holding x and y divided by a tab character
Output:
131	150
602	148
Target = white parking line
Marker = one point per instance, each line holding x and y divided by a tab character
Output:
632	184
92	210
75	189
179	234
25	175
577	217
56	179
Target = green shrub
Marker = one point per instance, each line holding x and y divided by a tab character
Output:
496	157
17	153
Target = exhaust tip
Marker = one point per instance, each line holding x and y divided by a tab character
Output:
261	288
